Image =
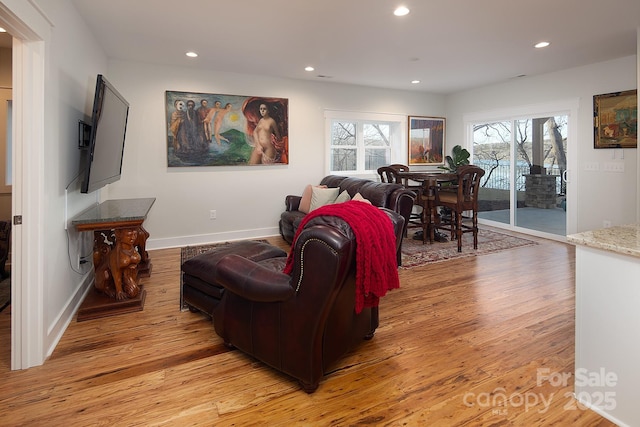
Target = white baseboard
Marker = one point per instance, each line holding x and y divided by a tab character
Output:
202	239
600	412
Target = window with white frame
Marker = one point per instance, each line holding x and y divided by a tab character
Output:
359	143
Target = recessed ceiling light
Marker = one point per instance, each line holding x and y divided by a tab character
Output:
415	82
401	11
541	44
309	68
192	54
2	30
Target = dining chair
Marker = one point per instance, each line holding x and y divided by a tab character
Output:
400	167
404	168
459	198
390	174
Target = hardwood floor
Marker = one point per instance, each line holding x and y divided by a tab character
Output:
462	342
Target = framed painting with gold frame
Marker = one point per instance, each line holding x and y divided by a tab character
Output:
426	140
205	129
615	120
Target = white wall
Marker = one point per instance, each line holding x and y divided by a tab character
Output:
248	199
600	195
72	60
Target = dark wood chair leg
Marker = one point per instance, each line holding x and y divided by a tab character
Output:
452	220
475	230
459	229
425	224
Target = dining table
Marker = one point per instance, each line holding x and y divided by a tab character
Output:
432	177
427	183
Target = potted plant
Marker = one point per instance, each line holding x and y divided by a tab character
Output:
459	156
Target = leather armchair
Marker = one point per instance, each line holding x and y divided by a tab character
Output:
299	324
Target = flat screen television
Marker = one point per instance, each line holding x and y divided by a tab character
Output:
105	145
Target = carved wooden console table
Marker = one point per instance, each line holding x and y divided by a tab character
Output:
119	256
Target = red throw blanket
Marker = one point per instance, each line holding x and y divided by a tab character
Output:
376	265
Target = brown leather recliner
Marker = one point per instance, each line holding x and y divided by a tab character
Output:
302	323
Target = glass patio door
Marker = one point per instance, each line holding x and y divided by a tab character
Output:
525	163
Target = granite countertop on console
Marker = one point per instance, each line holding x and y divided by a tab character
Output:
115	210
622	239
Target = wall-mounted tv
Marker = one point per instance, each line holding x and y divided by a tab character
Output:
107	131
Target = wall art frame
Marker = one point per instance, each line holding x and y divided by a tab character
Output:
426	137
615	120
206	129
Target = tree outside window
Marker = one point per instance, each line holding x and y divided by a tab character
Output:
360	145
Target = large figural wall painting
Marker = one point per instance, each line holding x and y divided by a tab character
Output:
226	130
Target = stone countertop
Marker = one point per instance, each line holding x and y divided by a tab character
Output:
622	239
115	210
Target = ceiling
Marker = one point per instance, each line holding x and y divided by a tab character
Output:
449	45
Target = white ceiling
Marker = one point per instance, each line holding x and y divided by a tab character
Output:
450	45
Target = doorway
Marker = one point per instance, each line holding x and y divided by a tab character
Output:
6	41
526	185
5	197
29	29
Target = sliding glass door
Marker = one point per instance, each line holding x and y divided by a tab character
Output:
525	163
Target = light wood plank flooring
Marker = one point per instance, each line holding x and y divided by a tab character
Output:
460	343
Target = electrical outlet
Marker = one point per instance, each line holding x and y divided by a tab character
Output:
213	214
83	256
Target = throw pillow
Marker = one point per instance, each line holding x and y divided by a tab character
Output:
343	197
322	196
305	201
359	198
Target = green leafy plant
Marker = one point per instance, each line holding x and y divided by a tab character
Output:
459	156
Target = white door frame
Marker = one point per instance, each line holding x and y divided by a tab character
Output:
30	31
565	107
